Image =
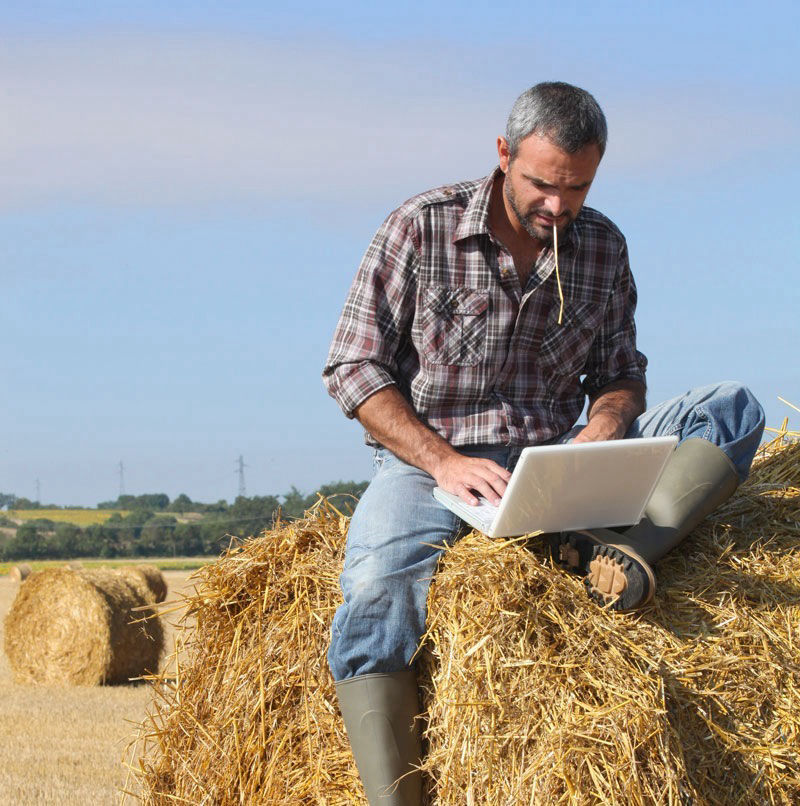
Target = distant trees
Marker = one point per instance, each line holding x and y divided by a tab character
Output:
182	504
26	503
152	501
7	500
153	526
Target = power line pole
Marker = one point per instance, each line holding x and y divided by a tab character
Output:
240	471
38	492
121	471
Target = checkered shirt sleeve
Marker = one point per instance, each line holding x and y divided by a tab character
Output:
613	355
363	354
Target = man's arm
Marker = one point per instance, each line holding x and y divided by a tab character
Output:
615	369
612	410
388	416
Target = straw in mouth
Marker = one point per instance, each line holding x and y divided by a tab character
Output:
558	277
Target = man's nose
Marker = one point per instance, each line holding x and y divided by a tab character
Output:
555	204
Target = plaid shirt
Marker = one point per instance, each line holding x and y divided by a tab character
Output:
436	309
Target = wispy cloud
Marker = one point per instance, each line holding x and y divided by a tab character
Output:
202	119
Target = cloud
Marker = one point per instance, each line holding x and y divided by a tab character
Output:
199	119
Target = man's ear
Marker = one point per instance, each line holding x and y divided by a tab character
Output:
503	153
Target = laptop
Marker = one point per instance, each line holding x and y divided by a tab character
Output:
558	488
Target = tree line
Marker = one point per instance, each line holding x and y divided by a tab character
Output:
151	525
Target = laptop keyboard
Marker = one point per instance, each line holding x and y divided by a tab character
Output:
484	510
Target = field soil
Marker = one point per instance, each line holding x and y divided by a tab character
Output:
67	745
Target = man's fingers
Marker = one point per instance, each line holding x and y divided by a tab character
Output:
489	485
494	468
469	475
464	493
497	478
486	490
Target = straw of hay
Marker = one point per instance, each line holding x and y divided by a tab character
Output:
19	573
152	577
82	628
533	693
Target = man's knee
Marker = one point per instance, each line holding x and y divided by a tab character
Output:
736	403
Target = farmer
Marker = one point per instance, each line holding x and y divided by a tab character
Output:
461	342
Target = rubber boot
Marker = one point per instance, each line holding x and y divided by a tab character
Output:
618	566
379	713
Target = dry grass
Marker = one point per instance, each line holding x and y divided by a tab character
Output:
533	694
65	745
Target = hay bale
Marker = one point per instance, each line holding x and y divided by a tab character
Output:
74	565
19	573
76	627
152	577
533	693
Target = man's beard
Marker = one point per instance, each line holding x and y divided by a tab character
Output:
540	233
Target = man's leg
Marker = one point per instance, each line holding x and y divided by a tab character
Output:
393	546
719	428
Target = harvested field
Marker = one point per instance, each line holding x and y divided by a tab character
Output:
533	694
78	517
162	563
65	745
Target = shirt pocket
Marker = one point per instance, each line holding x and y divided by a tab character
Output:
453	324
565	348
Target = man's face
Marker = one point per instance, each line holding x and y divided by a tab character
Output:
545	185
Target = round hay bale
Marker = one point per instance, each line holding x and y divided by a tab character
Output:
532	693
153	578
19	573
75	627
75	565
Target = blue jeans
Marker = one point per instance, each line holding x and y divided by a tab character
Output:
398	528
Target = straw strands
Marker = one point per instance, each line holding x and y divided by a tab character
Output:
533	694
82	627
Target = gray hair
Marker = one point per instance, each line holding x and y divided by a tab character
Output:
567	115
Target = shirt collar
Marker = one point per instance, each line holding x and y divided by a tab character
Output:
475	218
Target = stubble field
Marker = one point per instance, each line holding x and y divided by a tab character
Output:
67	745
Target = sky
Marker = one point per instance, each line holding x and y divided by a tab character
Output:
187	191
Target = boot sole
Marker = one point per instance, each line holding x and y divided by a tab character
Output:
614	577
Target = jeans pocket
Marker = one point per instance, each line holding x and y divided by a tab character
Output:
452	323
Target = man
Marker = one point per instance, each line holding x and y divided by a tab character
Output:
461	342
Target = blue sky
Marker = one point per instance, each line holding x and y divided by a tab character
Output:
187	192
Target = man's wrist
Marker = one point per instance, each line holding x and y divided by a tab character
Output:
609	423
434	453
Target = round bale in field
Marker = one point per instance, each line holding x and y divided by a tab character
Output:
19	573
152	577
82	628
74	565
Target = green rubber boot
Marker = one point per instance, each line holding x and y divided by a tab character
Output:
617	566
379	713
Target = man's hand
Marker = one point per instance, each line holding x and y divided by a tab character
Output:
391	420
612	411
461	475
